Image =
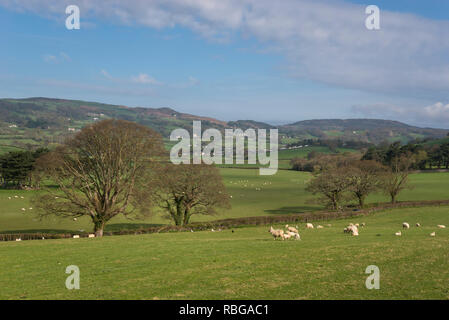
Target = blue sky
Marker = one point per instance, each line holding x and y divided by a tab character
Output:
247	59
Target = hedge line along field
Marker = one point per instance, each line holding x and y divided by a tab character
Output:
246	264
252	195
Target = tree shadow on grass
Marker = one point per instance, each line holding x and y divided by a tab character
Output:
291	210
130	226
47	231
109	228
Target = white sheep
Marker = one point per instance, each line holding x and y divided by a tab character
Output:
18	239
276	233
405	225
432	234
352	229
287	236
355	231
293	235
418	225
91	235
398	234
441	226
291	229
309	226
319	227
76	236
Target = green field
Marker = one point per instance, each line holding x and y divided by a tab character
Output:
252	195
246	264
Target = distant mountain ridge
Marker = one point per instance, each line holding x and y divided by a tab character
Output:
40	120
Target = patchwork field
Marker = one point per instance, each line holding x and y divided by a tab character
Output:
246	264
252	195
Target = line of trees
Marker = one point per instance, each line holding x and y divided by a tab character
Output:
344	180
17	168
426	156
117	167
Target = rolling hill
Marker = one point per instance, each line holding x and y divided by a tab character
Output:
366	130
26	123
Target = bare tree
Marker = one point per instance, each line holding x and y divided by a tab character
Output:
332	185
101	173
365	177
190	189
395	179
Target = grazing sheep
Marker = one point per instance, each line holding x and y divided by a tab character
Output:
357	225
9	198
30	208
405	225
291	229
16	197
91	235
432	234
287	236
319	227
76	236
293	235
352	229
309	226
355	230
276	233
23	209
418	225
398	234
363	224
74	219
18	239
441	226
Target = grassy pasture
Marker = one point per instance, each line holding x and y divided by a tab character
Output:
252	195
246	264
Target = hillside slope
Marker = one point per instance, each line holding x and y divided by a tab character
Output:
26	123
367	130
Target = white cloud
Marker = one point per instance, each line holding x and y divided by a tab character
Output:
143	78
62	57
437	111
322	40
434	115
106	74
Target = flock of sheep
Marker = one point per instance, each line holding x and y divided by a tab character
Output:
290	233
21	197
353	229
406	225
